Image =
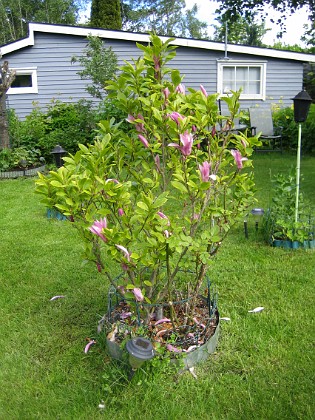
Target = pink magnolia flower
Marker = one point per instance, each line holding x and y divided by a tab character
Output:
130	118
238	158
187	142
124	250
97	228
115	181
143	140
205	171
176	116
157	63
163	216
121	212
139	126
138	294
180	89
166	93
203	90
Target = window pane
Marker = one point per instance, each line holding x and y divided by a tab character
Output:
254	73
228	79
254	87
22	80
241	73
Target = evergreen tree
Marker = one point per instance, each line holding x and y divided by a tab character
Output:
106	14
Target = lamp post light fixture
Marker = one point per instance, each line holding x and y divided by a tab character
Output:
301	103
58	153
257	213
140	350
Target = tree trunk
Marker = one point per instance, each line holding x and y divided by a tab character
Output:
6	78
4	125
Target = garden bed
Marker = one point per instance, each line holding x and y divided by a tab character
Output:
18	172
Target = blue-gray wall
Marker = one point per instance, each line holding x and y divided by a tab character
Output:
58	79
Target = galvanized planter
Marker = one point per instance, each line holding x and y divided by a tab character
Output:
187	351
191	359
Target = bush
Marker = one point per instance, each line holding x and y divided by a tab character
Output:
67	124
285	117
20	157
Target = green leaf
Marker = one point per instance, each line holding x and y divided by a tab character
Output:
142	206
179	186
147	283
56	184
176	78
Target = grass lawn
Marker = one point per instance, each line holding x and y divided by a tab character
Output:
263	367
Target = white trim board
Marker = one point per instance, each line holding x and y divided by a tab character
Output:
136	37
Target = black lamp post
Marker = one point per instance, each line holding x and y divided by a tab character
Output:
58	153
301	103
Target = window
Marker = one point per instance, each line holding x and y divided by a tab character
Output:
25	81
251	77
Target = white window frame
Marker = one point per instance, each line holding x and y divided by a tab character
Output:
238	63
21	72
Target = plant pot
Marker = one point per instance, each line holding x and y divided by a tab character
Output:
55	214
293	244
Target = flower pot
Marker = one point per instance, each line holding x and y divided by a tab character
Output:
55	214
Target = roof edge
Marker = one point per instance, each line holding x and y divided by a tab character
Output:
138	37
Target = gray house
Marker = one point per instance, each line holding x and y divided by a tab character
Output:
44	71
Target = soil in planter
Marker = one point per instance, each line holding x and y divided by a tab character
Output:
185	334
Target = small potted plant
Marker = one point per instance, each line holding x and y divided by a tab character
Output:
280	226
154	203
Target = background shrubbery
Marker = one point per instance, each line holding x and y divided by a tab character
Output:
284	117
69	124
66	124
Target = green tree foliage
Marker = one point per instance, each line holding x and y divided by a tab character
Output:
165	17
106	14
242	30
231	9
99	65
15	14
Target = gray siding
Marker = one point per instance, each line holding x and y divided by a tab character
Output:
58	79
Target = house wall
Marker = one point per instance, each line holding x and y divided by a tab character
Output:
58	79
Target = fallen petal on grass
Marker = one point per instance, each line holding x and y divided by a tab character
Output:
89	344
57	297
225	318
160	321
258	309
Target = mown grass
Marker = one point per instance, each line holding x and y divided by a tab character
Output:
264	364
